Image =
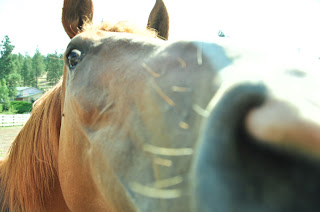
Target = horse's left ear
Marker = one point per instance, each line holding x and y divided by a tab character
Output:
159	19
74	14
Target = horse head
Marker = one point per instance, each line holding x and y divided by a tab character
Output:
143	124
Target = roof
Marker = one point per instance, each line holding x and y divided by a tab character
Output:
21	88
24	92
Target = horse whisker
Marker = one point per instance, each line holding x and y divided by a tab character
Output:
202	112
165	183
162	162
184	125
199	56
146	67
154	192
163	95
167	151
108	106
180	89
182	62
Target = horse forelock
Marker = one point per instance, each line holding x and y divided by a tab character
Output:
29	173
122	26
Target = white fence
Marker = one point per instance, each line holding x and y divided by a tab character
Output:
13	120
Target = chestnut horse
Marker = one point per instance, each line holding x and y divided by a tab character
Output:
142	124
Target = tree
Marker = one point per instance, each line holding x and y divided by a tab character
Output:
38	66
4	94
54	67
6	58
18	60
13	82
9	66
26	71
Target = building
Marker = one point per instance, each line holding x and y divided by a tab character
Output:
28	94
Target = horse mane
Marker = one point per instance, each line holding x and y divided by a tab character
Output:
28	174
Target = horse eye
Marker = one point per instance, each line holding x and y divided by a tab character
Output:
74	58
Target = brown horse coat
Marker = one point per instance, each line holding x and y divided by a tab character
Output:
142	124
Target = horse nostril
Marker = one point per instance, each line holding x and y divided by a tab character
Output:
219	143
229	109
286	126
234	169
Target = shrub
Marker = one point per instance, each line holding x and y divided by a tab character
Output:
21	106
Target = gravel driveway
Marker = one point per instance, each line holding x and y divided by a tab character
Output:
7	135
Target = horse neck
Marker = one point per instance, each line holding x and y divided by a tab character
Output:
29	180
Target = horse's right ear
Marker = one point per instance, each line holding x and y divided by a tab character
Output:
74	14
159	19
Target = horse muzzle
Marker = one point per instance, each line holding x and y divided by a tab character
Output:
257	152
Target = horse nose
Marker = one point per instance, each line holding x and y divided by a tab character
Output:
243	162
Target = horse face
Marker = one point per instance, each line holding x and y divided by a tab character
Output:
115	98
150	125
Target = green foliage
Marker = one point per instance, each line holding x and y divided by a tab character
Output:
21	106
26	71
4	95
38	67
54	67
11	110
9	66
6	59
13	82
17	62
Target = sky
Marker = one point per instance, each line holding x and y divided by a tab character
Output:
293	24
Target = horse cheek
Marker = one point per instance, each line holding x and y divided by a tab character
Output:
77	185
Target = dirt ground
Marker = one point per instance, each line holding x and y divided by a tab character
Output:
7	135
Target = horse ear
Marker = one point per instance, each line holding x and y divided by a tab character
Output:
74	14
159	19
